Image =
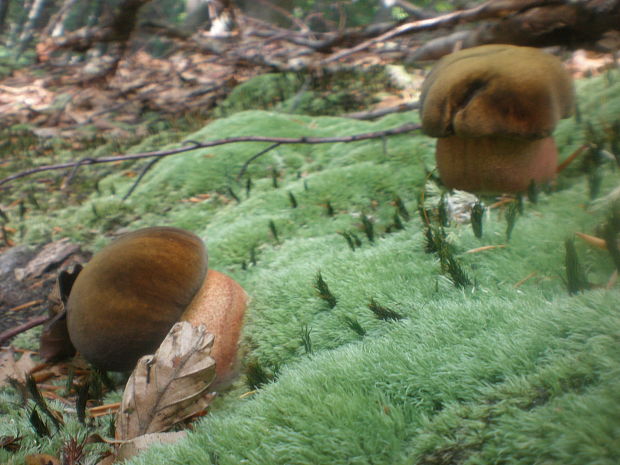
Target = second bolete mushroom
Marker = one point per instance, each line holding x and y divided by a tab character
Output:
126	299
494	108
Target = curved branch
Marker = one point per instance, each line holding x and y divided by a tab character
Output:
405	128
12	332
489	9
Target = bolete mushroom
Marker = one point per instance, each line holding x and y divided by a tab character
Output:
126	299
493	109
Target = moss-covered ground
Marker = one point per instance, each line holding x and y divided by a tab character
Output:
507	367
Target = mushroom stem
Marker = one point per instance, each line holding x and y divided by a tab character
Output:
220	305
495	164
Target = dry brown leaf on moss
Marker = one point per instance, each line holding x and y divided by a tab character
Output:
16	369
169	386
141	443
41	459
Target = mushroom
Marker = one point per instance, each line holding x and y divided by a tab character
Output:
493	109
126	299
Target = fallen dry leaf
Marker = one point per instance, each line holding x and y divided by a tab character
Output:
169	386
16	369
593	240
141	443
41	459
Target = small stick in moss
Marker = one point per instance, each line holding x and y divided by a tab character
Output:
532	192
402	210
274	231
397	225
355	325
33	389
520	203
451	265
253	256
595	179
576	280
511	218
323	290
430	245
256	375
69	381
306	339
383	313
248	186
134	186
477	214
329	209
349	240
274	177
38	424
34	201
610	232
231	192
254	157
292	199
80	402
444	217
10	443
368	228
425	215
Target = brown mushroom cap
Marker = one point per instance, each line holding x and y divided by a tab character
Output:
129	295
496	90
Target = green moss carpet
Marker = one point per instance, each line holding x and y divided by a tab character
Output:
361	346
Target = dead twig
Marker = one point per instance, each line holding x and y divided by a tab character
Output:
254	157
9	333
405	128
490	9
32	303
142	174
485	248
374	114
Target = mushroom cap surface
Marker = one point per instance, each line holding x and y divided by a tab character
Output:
129	295
492	90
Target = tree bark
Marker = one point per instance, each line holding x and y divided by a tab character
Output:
29	28
4	10
56	26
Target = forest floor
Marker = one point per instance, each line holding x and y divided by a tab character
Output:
314	197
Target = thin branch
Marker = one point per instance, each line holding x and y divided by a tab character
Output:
142	174
490	9
254	157
378	113
10	333
405	128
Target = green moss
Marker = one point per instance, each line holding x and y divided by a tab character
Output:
264	91
330	94
506	369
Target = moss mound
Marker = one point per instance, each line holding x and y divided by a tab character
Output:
362	348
